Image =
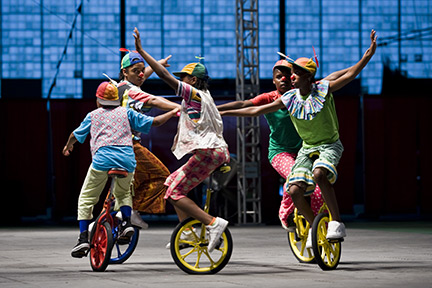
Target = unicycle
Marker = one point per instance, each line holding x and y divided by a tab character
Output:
189	242
102	235
327	252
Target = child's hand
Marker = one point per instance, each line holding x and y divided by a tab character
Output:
137	37
67	150
164	61
176	112
372	48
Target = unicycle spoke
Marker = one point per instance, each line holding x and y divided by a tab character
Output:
327	252
192	255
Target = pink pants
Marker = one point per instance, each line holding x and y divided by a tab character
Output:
283	163
194	171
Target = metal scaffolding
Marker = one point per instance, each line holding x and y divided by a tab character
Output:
248	128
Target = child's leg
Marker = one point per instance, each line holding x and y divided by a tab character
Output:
320	176
297	191
123	194
89	196
84	225
316	200
186	207
90	192
123	197
283	163
301	184
325	174
187	177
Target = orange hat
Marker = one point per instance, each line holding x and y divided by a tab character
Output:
283	63
107	94
306	64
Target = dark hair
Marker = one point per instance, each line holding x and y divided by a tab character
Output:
202	84
121	75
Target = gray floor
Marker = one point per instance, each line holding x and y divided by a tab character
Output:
374	255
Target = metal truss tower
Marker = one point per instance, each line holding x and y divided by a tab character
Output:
248	128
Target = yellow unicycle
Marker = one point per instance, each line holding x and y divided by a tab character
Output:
189	242
327	252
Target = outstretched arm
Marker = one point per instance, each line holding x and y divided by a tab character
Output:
160	70
353	71
255	110
163	118
162	103
235	105
67	149
149	70
337	74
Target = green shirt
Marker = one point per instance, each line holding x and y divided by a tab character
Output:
314	115
283	135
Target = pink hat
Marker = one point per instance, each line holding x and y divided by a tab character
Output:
283	63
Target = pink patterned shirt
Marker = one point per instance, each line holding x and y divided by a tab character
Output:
109	127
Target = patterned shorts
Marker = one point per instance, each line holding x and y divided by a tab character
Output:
199	166
328	156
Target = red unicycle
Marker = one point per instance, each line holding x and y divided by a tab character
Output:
101	235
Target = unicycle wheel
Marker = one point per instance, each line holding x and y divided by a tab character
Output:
297	239
327	253
101	243
121	253
189	242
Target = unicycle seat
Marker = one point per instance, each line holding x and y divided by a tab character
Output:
224	168
118	172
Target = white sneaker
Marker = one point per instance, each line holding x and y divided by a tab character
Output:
215	232
309	239
186	235
335	230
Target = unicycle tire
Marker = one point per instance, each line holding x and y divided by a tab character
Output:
191	255
101	243
327	253
297	240
121	253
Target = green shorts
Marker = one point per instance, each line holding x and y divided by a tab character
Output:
326	156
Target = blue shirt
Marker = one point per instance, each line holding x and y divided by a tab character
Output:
108	157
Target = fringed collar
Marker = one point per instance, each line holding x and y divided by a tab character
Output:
309	108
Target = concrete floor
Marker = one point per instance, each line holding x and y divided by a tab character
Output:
373	255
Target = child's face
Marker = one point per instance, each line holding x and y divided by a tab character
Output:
191	80
135	74
300	78
282	79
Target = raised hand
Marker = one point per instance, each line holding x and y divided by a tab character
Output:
372	48
137	37
164	61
